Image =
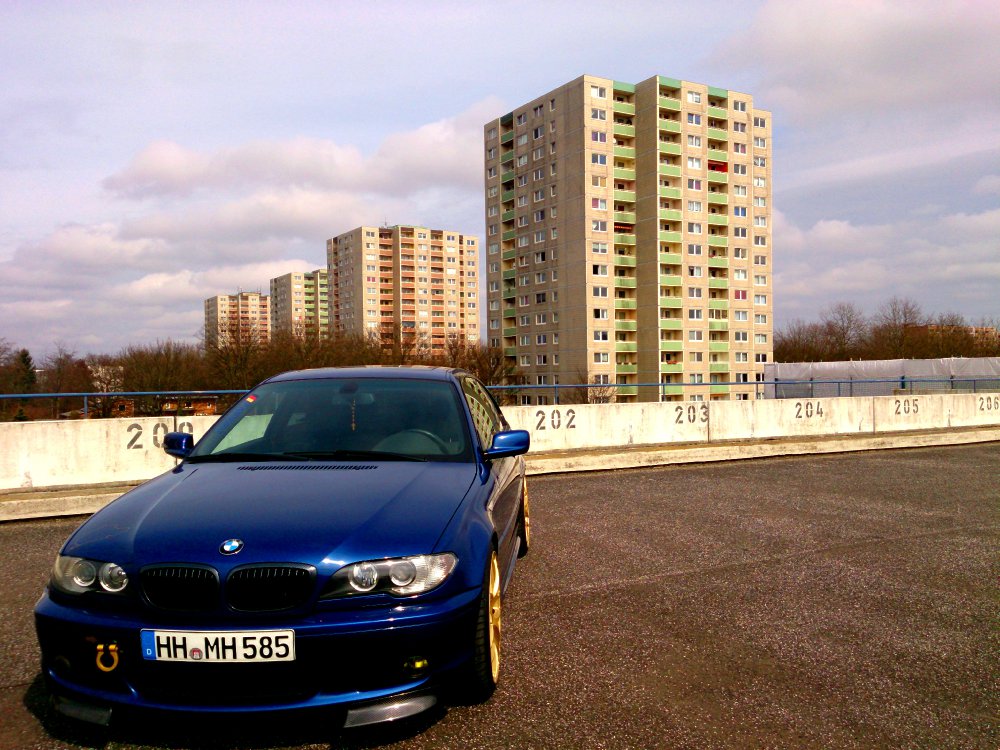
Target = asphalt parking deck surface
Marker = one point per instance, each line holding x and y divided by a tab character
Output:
846	601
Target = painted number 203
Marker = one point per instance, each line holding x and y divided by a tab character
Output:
691	413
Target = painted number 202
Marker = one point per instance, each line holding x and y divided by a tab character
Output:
555	419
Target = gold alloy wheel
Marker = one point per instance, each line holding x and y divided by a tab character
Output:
494	618
527	515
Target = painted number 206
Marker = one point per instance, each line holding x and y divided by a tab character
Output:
555	419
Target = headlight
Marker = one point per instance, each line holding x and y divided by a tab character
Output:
399	576
77	575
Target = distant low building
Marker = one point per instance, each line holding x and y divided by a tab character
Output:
300	304
243	316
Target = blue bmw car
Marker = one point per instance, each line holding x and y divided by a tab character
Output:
340	538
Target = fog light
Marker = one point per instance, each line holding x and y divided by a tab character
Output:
416	665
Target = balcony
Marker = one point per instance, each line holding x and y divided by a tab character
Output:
671	367
666	102
507	176
626	346
717	134
670	280
718	346
670	214
671	346
508	157
625	152
625	130
671	302
718	262
623	108
624	174
510	351
719	199
718	325
718	389
671	324
509	274
624	282
625	216
669	170
718	112
671	258
718	367
507	215
509	312
625	261
509	235
624	239
669	236
718	240
718	304
625	325
508	332
627	369
625	196
714	153
717	177
624	304
719	220
670	148
507	137
670	192
509	254
718	283
669	126
506	196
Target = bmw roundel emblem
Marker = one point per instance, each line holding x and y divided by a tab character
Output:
231	546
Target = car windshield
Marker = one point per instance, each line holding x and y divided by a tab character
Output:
342	419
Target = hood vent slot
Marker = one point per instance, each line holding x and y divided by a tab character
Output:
309	467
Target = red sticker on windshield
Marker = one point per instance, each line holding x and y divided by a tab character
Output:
251	399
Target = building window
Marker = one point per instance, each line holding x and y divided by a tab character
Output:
760	319
600	248
600	291
695	271
694	119
694	249
739	169
599	204
760	221
600	270
739	148
600	335
598	114
694	314
598	92
522	118
759	122
759	161
696	336
694	205
739	211
759	240
694	97
598	137
759	142
600	358
740	294
694	140
598	158
760	299
599	225
694	184
760	358
739	106
694	162
694	227
741	337
760	338
740	315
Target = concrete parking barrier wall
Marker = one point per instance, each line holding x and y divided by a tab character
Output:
65	453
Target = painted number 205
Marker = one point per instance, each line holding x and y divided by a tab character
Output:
907	406
555	419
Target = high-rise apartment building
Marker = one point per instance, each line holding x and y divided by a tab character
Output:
418	284
300	304
244	316
629	238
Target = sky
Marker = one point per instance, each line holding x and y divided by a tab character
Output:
155	154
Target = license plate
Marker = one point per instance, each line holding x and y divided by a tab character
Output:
218	646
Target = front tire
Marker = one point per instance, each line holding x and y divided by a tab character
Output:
484	670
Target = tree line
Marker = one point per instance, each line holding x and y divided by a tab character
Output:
231	363
899	329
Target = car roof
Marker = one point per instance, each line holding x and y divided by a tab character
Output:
410	372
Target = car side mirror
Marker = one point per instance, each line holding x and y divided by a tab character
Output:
508	443
178	444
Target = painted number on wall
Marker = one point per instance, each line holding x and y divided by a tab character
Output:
808	409
554	419
691	413
989	403
906	406
159	430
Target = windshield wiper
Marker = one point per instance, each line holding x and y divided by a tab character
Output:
348	455
235	456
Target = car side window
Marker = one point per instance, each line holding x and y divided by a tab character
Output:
485	416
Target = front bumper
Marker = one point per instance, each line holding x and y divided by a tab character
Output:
347	658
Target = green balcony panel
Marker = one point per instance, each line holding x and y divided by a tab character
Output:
718	389
671	324
625	216
720	177
671	367
718	304
507	215
669	170
718	367
718	346
507	137
717	134
626	369
718	325
717	155
509	312
507	176
670	126
625	325
719	199
624	304
671	258
508	332
625	152
671	302
509	254
671	214
508	157
717	93
667	102
719	112
718	241
626	390
623	86
626	346
671	390
718	283
510	234
625	196
671	346
719	220
670	236
627	130
510	274
718	262
623	282
507	119
623	108
507	196
670	148
624	239
670	280
669	192
624	174
668	83
510	351
625	261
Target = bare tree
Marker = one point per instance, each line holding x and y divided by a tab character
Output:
845	329
892	329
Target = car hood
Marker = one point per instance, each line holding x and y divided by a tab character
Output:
318	513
